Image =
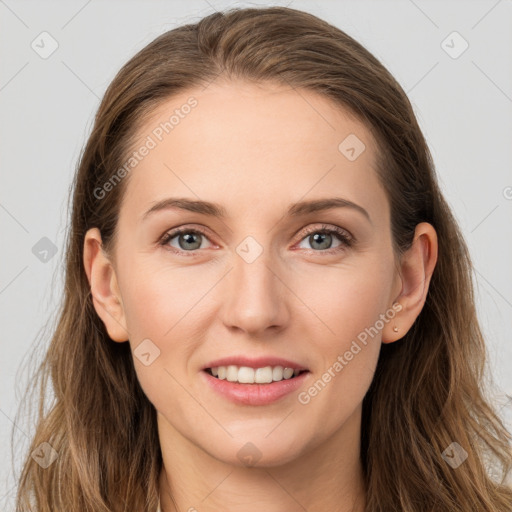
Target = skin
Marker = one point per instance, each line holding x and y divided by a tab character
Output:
255	149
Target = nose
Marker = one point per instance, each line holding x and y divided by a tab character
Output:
255	296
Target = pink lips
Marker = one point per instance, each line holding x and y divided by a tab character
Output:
254	394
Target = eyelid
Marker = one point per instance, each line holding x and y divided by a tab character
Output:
346	238
188	228
329	228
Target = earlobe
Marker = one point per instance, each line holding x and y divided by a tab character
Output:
106	296
393	330
416	269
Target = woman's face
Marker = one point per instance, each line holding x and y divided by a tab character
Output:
261	282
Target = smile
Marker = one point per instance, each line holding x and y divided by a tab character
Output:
261	389
247	375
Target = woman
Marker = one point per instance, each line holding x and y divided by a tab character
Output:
210	355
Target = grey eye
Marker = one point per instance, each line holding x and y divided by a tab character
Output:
321	241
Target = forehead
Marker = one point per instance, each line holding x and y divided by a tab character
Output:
253	145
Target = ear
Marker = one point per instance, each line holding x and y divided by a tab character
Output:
106	296
416	268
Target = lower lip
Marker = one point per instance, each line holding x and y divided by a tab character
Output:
254	394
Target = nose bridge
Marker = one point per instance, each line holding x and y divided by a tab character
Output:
255	295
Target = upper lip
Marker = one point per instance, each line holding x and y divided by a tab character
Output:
256	362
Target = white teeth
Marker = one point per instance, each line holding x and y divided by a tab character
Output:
287	373
261	375
232	373
247	375
277	373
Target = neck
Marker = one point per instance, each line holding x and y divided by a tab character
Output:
328	476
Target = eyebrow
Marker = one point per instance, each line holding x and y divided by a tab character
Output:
216	210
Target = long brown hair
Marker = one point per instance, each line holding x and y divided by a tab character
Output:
427	391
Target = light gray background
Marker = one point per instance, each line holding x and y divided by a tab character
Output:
463	105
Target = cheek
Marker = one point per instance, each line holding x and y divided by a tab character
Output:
346	300
159	304
349	303
156	297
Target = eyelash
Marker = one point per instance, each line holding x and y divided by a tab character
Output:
345	238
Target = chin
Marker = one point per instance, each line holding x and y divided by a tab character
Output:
258	451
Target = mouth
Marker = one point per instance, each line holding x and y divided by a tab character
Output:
263	383
248	375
